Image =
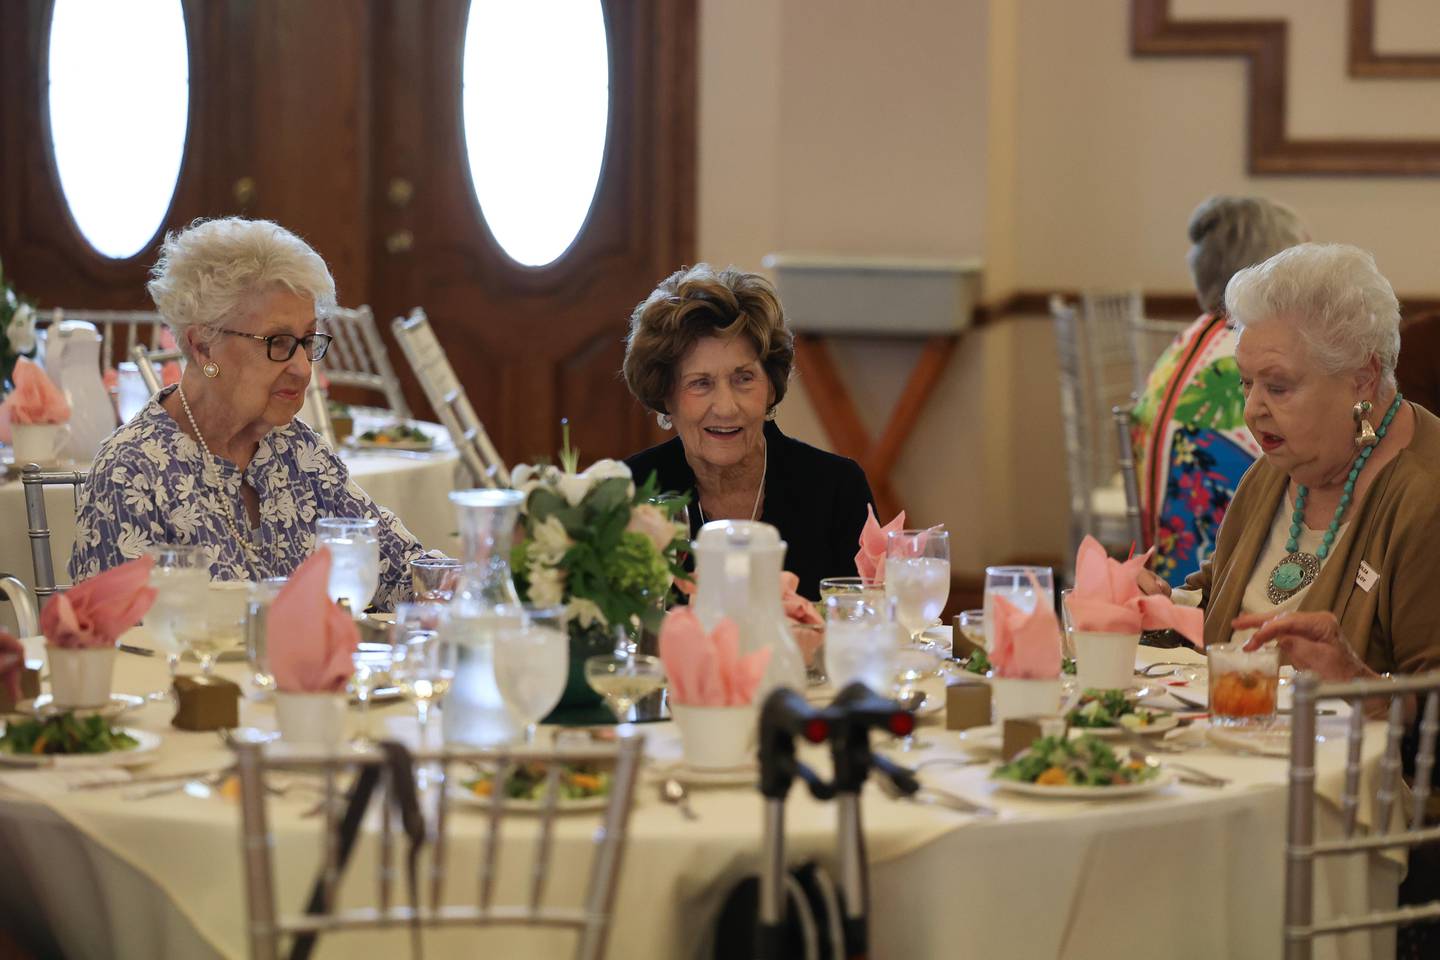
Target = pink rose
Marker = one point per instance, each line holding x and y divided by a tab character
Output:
651	521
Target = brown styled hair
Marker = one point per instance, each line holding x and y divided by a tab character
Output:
696	302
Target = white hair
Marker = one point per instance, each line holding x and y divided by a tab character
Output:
1344	309
209	273
1230	233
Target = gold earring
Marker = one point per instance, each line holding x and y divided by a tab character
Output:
211	369
1364	433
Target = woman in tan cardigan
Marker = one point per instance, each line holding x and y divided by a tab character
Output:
1331	546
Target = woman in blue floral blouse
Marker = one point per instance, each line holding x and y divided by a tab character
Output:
219	459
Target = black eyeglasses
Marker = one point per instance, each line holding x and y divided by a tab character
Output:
280	347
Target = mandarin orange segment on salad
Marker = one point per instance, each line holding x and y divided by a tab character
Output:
1243	693
1085	761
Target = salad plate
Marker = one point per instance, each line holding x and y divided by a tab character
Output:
44	707
468	798
395	436
141	753
1271	741
1070	792
587	789
1114	713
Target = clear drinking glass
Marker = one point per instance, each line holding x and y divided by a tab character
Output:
434	578
181	579
355	558
917	577
221	627
861	640
257	653
972	626
1244	686
872	588
624	679
919	681
532	663
374	663
422	659
1021	586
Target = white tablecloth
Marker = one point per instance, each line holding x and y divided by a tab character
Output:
414	485
1189	872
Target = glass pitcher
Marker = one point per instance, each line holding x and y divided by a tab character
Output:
485	601
737	575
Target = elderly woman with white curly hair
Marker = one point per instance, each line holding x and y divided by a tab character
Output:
219	459
1329	545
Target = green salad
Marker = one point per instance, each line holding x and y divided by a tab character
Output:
396	433
64	734
979	663
1085	761
1067	666
527	782
1110	708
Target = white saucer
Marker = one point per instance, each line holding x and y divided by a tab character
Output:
747	775
43	706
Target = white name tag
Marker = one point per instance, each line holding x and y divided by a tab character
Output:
1366	578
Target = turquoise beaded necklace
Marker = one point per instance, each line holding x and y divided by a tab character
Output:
1298	570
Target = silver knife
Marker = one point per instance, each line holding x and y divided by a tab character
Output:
153	778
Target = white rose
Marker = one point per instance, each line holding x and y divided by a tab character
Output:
575	486
21	331
547	586
551	541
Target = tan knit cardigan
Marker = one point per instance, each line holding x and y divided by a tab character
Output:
1394	626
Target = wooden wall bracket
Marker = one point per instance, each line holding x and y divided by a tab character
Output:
841	420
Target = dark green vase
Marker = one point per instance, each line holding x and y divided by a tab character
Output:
580	704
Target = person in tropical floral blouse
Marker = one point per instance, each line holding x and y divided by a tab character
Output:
219	459
1191	444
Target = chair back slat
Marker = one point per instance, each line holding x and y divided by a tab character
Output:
1350	802
35	480
1424	761
442	389
116	327
1131	483
439	856
386	871
489	863
256	852
148	362
540	867
1410	703
331	868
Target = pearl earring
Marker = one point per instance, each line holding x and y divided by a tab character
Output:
211	369
663	419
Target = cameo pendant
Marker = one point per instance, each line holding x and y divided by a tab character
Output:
1293	573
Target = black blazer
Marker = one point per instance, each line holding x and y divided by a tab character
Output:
815	499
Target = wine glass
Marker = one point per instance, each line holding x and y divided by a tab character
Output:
917	578
1022	587
434	578
532	663
257	648
222	625
919	679
180	577
860	641
624	679
372	661
355	558
422	660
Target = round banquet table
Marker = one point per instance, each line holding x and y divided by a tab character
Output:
1185	872
413	484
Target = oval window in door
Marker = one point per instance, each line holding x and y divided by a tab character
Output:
119	98
536	103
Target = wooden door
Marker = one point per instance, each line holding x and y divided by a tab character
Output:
533	345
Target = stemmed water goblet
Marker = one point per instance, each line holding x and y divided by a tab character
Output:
532	663
917	578
354	558
180	577
372	661
1023	587
434	578
422	658
624	679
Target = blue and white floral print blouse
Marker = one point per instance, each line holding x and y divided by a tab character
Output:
151	484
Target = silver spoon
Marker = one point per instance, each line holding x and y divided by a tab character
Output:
673	791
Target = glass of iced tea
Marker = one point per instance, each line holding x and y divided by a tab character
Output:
1243	685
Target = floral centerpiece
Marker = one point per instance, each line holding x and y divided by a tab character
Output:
17	329
605	550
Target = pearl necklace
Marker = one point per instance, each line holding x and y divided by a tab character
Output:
755	510
244	542
1297	569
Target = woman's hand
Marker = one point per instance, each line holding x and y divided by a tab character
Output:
1149	582
1307	641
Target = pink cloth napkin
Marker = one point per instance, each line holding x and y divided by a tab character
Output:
311	641
1026	645
1106	599
35	399
797	608
94	612
12	664
870	561
708	671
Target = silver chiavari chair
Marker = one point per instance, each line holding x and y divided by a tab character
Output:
1303	848
146	361
35	481
1125	445
316	412
384	776
127	327
437	378
357	357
